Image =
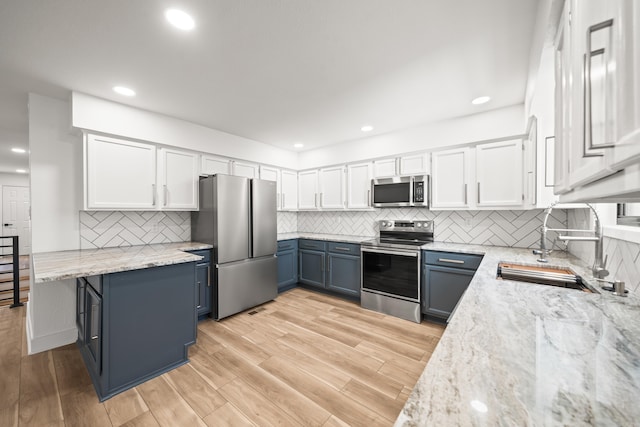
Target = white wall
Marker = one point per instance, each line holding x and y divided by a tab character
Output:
478	127
109	117
56	199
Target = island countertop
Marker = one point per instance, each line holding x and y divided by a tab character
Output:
531	355
61	265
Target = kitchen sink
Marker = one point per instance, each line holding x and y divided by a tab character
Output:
561	277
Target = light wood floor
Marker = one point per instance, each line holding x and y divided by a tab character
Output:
305	359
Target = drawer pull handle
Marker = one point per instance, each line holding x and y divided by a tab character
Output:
93	338
341	248
452	261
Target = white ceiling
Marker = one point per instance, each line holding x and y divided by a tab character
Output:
276	71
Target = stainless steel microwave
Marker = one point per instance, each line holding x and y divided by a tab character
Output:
400	191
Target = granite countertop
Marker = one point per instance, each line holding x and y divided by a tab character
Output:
531	355
328	237
61	265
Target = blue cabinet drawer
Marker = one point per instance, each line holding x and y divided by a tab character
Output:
285	245
344	248
316	245
453	259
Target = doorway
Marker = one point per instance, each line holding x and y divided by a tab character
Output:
16	218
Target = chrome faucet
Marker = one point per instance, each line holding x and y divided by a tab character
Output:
599	271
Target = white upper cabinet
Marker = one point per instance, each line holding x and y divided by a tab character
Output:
385	168
289	190
247	170
119	174
332	188
450	179
308	190
273	174
417	164
211	165
178	178
499	171
359	186
598	68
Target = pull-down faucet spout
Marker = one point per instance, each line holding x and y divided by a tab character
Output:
599	271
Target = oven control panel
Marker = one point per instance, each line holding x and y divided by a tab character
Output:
405	225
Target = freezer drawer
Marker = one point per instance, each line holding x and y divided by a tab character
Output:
245	284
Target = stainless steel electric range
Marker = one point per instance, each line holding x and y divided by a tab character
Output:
391	268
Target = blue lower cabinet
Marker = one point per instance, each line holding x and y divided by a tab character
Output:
332	266
138	324
287	264
204	301
344	274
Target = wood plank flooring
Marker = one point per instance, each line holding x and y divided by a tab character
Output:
305	359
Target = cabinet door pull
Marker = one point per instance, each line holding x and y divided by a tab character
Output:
209	275
93	338
452	261
153	194
369	198
321	194
588	116
166	195
199	302
478	193
465	194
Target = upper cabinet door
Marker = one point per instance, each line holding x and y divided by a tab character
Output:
273	174
359	186
308	190
247	170
499	170
179	179
212	165
385	168
289	188
417	164
450	179
119	174
332	188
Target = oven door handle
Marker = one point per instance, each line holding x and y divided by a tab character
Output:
413	254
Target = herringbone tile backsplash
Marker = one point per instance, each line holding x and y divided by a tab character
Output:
623	258
104	229
519	229
287	222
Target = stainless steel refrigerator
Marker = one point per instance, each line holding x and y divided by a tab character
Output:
238	217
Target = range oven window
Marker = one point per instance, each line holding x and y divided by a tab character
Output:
392	193
392	274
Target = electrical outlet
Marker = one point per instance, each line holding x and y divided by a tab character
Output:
155	227
468	222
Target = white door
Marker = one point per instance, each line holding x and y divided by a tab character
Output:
385	168
179	178
212	165
499	171
450	179
289	188
15	217
273	174
417	164
332	188
247	170
308	190
359	186
120	174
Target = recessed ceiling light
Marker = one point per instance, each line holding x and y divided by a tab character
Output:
180	19
481	100
124	91
21	171
18	150
366	128
298	145
479	406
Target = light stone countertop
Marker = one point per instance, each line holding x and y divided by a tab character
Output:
61	265
531	355
327	237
